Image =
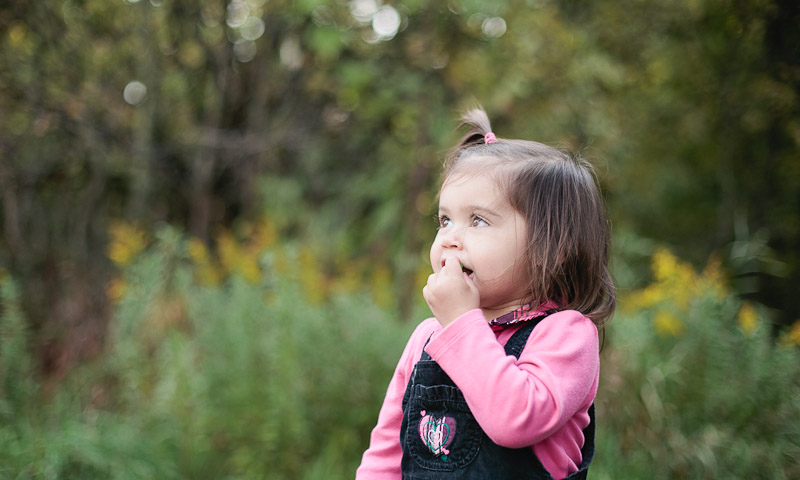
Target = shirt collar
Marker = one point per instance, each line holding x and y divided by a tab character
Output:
522	314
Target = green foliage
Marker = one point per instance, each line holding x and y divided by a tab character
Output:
249	379
238	381
711	397
17	383
208	114
714	403
689	109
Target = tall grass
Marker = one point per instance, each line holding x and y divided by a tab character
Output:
240	380
270	372
694	386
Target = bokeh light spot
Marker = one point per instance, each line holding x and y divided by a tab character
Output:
494	27
291	54
135	92
386	22
238	12
363	10
244	50
252	29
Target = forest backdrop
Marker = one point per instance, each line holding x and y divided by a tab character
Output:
160	155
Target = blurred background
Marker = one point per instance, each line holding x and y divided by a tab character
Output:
216	215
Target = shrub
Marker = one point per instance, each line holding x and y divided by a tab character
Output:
240	380
271	371
694	386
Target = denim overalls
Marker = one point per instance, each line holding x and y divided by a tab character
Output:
441	438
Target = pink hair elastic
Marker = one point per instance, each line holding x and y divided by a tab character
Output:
489	138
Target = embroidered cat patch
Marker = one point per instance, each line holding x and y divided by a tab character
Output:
437	433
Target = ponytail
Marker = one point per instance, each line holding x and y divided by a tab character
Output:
480	133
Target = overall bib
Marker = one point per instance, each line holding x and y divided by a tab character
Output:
442	439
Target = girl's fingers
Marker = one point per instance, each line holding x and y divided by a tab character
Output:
452	265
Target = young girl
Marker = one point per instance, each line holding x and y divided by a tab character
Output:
500	384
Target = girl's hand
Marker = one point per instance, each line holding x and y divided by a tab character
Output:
450	293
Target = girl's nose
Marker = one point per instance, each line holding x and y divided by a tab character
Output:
452	237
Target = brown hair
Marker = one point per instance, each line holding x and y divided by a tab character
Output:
558	195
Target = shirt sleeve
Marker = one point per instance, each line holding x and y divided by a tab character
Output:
381	461
521	402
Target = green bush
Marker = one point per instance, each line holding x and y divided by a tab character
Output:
237	381
256	377
693	386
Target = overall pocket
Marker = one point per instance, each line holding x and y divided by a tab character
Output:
442	434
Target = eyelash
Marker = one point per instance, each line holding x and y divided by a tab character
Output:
440	219
477	218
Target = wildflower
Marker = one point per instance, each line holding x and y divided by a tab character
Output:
794	334
748	318
313	281
265	236
228	252
382	286
675	282
667	324
116	288
197	251
126	242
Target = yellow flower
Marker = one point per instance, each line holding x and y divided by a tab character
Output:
126	242
382	289
677	283
251	272
237	257
206	271
264	236
794	334
647	297
312	279
665	264
17	34
349	275
208	275
228	252
748	318
667	324
676	280
197	251
116	289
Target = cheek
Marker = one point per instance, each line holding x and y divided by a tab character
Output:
436	257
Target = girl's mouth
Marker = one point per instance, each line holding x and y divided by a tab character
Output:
463	268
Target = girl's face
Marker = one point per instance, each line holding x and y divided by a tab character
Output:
478	226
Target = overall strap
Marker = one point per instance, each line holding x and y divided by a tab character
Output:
519	339
515	344
425	357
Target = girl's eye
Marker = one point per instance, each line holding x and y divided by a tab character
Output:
443	221
479	222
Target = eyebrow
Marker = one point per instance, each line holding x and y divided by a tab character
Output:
486	211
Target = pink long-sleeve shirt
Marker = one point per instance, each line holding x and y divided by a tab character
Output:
541	400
